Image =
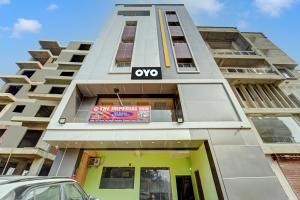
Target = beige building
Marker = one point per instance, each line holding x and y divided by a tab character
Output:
265	81
27	101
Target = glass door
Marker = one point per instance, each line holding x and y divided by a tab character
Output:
155	184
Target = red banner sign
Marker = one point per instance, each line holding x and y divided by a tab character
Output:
120	114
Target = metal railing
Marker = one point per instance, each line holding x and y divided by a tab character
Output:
233	52
264	70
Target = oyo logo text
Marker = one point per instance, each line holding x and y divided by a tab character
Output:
146	72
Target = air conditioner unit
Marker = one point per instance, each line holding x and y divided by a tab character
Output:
94	161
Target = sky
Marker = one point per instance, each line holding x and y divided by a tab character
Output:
24	22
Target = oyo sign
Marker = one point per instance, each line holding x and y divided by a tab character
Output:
145	73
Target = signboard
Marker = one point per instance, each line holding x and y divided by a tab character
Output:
146	73
120	114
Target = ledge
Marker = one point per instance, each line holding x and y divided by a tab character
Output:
69	65
15	79
59	80
7	97
29	65
40	96
32	120
271	111
27	152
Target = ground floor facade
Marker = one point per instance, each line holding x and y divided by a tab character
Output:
149	174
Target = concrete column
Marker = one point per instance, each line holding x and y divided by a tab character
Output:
20	167
64	163
36	166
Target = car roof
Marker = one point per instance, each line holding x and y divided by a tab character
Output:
10	183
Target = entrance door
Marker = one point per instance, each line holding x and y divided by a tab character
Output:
199	185
155	184
185	188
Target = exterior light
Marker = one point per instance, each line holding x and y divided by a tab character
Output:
180	120
62	120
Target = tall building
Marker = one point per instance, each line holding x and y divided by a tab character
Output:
162	109
27	102
150	114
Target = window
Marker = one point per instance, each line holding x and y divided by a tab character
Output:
2	131
117	178
13	89
28	73
71	192
163	107
46	192
32	88
19	108
2	106
45	111
57	90
30	138
286	73
134	12
84	47
66	73
77	58
125	49
155	184
277	129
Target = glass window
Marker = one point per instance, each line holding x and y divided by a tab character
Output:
162	109
277	129
117	178
155	184
71	192
42	193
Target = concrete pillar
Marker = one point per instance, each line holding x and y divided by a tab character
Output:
64	163
36	166
21	166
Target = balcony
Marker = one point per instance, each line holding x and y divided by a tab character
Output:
31	121
51	45
251	73
29	65
41	55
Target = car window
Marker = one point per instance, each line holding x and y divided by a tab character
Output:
72	193
41	193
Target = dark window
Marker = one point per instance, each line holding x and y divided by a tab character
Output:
134	12
30	138
19	108
66	73
117	178
32	88
28	73
57	90
2	107
77	58
2	131
84	47
45	111
13	89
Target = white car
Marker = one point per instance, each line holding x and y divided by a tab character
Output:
41	188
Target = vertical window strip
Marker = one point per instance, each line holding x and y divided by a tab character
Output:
181	50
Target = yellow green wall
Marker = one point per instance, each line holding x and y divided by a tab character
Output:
178	165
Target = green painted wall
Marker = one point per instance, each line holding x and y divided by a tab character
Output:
178	165
199	161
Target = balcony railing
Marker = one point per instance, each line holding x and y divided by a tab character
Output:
253	70
233	52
